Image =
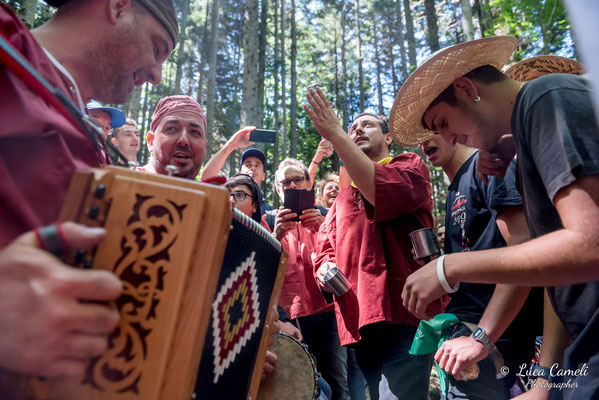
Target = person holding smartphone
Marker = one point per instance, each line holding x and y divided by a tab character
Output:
296	226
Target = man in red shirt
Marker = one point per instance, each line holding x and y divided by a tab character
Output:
50	317
366	234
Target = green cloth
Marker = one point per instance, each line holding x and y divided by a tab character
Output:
430	336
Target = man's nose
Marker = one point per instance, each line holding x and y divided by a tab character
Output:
183	139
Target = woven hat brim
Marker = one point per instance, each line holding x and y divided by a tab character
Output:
434	76
535	67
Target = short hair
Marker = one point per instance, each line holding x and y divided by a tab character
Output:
250	183
485	74
291	162
245	180
329	177
381	119
116	132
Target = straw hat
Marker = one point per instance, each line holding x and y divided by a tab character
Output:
434	76
534	67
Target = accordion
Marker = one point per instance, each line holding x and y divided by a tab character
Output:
199	284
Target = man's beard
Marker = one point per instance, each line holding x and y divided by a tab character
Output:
107	66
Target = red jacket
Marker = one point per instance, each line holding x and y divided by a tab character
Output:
371	245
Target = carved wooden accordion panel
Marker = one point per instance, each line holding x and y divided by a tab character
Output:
166	241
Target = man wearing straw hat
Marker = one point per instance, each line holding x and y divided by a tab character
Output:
461	94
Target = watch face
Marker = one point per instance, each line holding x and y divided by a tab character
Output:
478	333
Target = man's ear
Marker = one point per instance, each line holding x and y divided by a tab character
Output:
115	9
150	141
114	142
388	139
464	88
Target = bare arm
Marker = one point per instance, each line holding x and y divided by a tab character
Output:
506	302
359	167
325	149
240	139
564	257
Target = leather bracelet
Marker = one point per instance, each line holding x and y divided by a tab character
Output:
441	276
315	162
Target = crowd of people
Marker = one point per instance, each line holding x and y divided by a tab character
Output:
520	238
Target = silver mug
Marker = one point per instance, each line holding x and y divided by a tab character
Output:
336	281
425	244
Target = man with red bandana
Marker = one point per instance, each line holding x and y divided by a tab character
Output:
177	137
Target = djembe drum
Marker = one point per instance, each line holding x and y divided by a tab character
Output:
185	299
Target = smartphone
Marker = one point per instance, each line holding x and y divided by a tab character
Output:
263	135
298	200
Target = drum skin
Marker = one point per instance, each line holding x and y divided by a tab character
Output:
294	376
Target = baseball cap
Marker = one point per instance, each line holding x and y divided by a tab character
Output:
117	117
253	153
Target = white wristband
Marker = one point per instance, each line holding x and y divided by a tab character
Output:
441	276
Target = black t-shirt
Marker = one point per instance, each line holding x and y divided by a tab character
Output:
557	140
470	224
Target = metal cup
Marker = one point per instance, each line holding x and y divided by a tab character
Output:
336	281
425	244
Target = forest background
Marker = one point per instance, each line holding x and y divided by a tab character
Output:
251	62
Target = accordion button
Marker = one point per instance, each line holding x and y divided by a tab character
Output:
93	212
100	191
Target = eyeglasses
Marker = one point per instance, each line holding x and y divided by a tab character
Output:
287	182
239	196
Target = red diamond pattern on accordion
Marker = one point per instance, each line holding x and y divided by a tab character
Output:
235	315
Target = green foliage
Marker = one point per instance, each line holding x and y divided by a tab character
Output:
541	26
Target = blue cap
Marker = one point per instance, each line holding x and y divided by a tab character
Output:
253	153
117	117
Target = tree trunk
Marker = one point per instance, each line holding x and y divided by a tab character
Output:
181	47
28	12
211	89
400	40
276	120
293	106
484	17
283	85
344	103
379	86
432	35
262	59
410	35
203	46
131	108
360	60
467	24
249	99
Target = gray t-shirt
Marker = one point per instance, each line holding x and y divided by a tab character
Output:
557	140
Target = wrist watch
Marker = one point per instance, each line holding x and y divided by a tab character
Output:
481	336
538	371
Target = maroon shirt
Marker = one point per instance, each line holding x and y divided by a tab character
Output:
300	294
371	245
39	148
